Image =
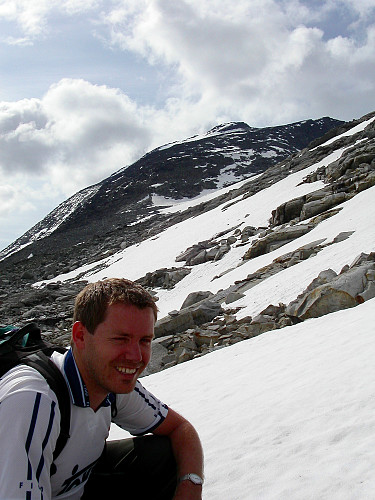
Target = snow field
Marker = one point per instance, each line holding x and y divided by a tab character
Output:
286	415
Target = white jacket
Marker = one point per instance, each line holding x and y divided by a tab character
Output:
30	426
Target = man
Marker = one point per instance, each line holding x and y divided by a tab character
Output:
111	346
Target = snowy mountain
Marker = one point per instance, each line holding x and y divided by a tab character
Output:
265	338
109	209
240	209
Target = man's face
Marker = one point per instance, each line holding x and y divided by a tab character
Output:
113	357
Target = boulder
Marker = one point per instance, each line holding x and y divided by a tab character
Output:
322	278
354	281
222	250
318	206
287	211
188	254
368	292
206	337
200	258
365	157
170	325
272	310
212	252
365	183
275	239
205	311
185	355
186	318
231	240
344	235
320	301
164	278
233	296
195	297
255	329
156	362
191	253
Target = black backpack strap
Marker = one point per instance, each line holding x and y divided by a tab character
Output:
57	383
113	407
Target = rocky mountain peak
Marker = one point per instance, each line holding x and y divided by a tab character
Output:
230	127
111	209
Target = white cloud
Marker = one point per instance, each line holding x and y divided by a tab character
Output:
32	16
13	199
77	134
258	61
265	62
235	59
24	201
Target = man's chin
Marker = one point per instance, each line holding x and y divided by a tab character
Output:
127	386
126	382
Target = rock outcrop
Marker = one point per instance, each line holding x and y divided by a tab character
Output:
188	337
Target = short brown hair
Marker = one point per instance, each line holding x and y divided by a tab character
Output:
92	302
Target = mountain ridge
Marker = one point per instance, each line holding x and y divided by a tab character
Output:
224	154
219	236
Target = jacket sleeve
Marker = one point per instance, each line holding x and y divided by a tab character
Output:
140	411
30	424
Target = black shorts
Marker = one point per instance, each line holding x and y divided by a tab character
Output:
142	467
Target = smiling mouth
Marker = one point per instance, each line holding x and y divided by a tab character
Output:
126	371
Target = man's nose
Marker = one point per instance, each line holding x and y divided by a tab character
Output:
133	352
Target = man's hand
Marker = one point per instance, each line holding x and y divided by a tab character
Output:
186	490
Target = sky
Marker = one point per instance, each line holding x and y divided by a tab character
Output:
87	87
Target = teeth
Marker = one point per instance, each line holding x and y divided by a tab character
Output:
128	371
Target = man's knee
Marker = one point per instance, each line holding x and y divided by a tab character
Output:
155	451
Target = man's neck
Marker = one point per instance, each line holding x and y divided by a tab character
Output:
96	397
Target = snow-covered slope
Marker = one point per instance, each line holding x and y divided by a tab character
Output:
288	415
161	251
226	154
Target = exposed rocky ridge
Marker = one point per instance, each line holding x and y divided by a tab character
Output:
205	322
120	210
191	332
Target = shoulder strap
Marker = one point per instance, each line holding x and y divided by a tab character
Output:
56	381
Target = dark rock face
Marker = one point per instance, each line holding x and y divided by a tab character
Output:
98	219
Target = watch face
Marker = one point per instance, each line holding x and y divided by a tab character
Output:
195	479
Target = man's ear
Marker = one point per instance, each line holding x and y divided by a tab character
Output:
78	334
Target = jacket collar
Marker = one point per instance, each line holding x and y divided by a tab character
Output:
77	387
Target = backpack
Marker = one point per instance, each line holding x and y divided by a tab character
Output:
26	346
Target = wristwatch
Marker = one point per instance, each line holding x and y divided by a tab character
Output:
194	478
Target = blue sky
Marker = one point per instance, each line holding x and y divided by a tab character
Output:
71	50
87	87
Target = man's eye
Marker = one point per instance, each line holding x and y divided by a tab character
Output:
146	341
